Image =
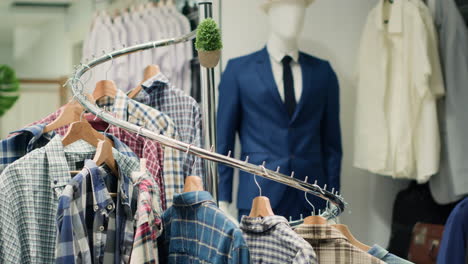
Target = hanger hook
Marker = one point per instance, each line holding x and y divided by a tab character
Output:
258	185
307	199
112	63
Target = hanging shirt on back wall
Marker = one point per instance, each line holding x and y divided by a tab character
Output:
398	82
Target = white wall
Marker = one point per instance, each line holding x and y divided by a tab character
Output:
332	31
6	54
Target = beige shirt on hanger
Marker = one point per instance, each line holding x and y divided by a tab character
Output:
277	67
399	80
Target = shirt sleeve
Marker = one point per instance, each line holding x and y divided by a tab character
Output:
436	81
421	46
240	255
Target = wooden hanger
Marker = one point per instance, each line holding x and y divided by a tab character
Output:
150	71
83	130
193	184
71	113
315	220
345	231
104	155
261	207
104	88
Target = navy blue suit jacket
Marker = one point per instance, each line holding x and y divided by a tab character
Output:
308	143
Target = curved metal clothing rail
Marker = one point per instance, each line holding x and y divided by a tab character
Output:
259	170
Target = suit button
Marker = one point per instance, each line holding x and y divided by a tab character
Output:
292	156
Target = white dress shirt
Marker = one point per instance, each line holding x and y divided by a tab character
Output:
146	56
399	79
121	77
165	53
277	67
134	59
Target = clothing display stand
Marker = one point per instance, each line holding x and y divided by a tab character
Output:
209	124
208	101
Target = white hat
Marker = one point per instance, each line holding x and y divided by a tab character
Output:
266	3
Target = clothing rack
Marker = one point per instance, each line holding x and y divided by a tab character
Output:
331	196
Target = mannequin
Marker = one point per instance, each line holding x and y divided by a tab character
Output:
252	103
286	20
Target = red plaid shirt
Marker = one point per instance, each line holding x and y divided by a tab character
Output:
143	147
148	221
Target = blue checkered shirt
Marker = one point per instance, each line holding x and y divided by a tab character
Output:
183	110
140	114
29	191
382	254
22	142
87	217
197	231
271	240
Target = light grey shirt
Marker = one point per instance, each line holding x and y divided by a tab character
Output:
451	183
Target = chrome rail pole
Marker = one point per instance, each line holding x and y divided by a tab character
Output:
208	100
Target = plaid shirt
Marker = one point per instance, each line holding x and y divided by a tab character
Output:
87	217
29	191
140	114
148	220
183	110
272	240
21	143
382	254
197	231
332	247
143	147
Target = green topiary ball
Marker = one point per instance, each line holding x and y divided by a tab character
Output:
9	88
208	36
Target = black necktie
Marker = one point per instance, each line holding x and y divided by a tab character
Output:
288	81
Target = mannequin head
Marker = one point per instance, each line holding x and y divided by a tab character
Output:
286	19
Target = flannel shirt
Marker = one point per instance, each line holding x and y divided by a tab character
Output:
332	247
145	116
148	220
21	143
271	240
143	147
183	110
29	191
197	231
87	216
382	254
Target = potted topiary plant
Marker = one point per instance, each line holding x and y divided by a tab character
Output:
208	43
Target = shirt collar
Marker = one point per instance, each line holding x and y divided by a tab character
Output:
378	252
37	132
261	224
192	198
319	232
278	55
102	200
395	22
155	84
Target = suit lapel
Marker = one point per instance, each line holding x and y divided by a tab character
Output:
306	81
266	74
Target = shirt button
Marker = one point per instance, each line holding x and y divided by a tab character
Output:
55	182
96	208
101	228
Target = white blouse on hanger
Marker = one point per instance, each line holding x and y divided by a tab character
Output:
399	79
